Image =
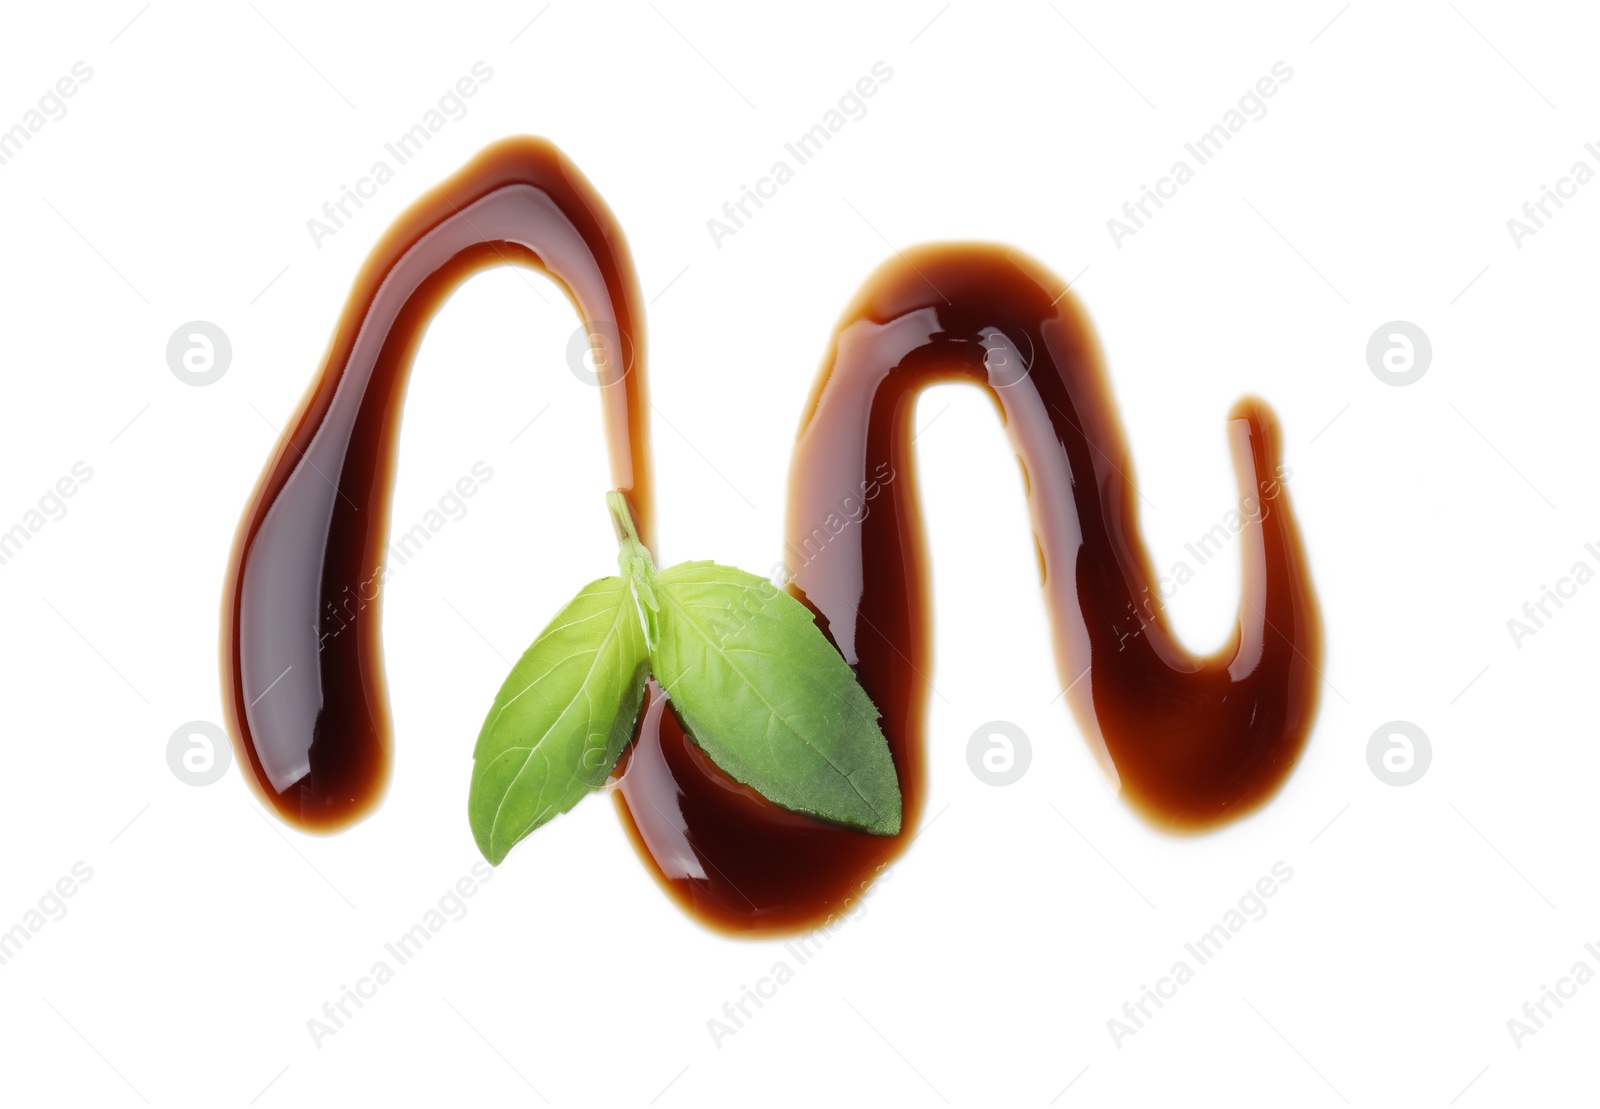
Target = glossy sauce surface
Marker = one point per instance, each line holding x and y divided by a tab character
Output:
302	651
1192	742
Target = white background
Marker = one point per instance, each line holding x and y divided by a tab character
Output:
1419	919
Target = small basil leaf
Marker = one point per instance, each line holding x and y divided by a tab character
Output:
561	719
768	698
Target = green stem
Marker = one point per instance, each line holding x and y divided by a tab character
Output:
638	567
622	519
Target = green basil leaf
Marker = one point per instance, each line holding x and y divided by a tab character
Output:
768	698
561	719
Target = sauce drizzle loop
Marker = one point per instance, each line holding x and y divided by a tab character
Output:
1192	742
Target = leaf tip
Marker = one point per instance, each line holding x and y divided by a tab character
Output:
483	837
888	823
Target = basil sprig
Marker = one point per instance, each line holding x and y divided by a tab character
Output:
743	664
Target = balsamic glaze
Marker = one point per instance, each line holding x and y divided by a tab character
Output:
1192	742
303	677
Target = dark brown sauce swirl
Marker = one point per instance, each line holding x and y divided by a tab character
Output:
303	676
1192	742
